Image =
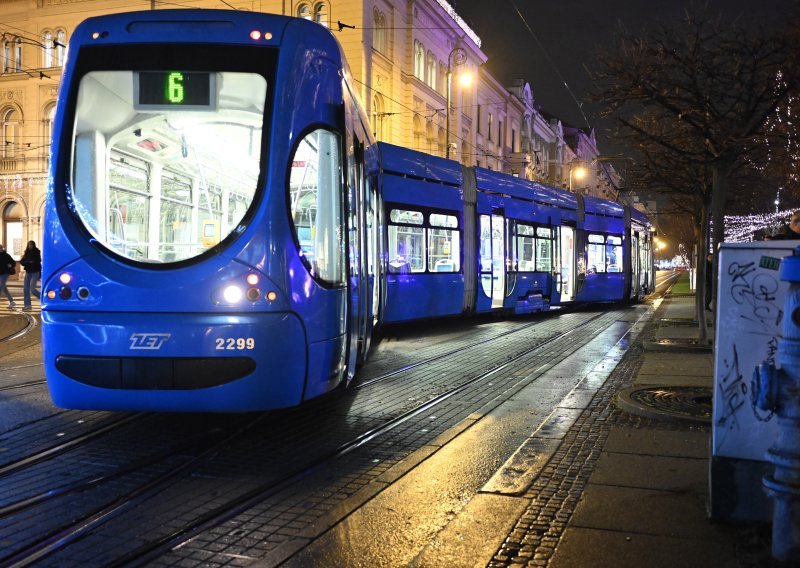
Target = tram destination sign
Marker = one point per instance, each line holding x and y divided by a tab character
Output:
174	90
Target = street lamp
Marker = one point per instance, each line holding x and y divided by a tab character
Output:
577	172
456	57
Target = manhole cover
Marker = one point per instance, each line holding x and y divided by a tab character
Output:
667	403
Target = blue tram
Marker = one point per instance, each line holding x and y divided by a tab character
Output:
212	221
224	234
464	240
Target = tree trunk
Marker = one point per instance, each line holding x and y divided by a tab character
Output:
719	188
701	248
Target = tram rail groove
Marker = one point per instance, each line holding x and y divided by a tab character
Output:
456	351
22	385
80	485
64	536
70	444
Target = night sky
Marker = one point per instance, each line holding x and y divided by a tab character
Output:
572	30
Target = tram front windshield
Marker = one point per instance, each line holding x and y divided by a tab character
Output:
165	163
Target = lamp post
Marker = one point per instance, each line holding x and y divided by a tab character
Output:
579	172
459	59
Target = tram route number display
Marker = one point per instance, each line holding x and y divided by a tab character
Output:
168	90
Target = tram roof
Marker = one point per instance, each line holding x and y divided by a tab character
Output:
402	161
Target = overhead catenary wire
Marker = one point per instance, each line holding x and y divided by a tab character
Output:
550	62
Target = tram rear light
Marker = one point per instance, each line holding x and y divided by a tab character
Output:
98	35
65	292
255	35
267	35
253	294
51	294
271	296
252	279
64	278
232	294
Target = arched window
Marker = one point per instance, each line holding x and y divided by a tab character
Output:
11	119
12	55
61	47
18	55
321	14
378	117
47	48
379	32
13	215
419	60
304	11
49	115
431	70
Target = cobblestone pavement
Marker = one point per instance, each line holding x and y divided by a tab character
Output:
555	493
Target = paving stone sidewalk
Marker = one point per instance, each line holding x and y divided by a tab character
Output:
627	490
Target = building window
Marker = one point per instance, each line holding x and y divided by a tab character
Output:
304	11
489	127
11	120
321	14
378	116
379	32
12	55
61	47
47	49
432	70
500	138
49	115
478	118
513	140
419	60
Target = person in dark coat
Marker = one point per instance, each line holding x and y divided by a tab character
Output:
32	262
8	266
791	230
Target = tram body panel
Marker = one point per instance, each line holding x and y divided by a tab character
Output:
605	242
424	235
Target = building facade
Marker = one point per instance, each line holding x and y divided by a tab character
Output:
424	81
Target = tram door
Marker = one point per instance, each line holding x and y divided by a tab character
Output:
567	263
493	258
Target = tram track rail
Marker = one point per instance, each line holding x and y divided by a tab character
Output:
66	535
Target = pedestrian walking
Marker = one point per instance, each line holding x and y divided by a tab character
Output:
32	262
8	266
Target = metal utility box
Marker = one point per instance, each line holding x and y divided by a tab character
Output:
749	313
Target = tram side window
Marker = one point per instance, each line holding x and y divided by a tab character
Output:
604	253
443	243
526	248
613	253
406	241
316	205
544	249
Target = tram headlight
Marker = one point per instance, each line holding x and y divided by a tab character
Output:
252	279
64	278
232	294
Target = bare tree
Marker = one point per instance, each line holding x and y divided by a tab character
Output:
692	101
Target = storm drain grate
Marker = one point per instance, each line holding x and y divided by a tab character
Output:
667	403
